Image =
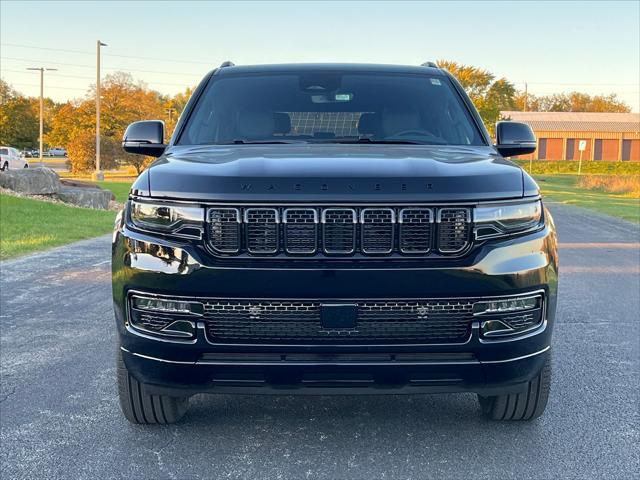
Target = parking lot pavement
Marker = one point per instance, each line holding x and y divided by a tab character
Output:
59	164
60	416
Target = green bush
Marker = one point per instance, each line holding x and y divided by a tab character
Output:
551	167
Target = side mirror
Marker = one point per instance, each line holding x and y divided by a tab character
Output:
145	138
514	138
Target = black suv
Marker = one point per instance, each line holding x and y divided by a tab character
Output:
333	229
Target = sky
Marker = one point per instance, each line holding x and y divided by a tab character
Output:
555	47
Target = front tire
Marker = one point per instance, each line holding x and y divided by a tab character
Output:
140	407
5	166
525	405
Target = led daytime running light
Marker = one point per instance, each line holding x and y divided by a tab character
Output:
167	306
506	305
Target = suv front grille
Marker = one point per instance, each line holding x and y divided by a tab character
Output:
224	229
378	225
300	230
261	227
338	231
453	228
380	322
416	231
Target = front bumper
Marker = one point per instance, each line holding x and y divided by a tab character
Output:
487	366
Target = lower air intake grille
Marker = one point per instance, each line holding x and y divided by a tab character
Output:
454	229
152	322
379	322
521	321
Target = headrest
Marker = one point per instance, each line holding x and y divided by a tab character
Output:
282	123
369	123
255	125
395	121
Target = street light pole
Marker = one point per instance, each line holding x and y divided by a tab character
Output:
98	175
41	70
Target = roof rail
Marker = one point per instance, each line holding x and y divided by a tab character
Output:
227	64
429	64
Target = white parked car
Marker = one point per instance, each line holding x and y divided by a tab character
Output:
57	152
11	158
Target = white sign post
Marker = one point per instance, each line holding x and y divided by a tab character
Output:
582	146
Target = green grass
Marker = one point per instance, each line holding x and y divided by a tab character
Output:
119	189
563	189
28	225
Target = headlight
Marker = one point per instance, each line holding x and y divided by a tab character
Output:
508	219
167	219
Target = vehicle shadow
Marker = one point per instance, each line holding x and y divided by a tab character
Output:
411	412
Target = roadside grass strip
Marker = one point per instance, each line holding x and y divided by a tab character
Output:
28	225
563	189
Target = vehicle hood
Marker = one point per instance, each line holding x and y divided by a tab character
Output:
334	173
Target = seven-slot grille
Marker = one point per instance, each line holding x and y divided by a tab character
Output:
298	321
338	231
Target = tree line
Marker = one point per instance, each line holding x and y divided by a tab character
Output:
72	124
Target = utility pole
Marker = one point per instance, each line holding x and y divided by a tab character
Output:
98	174
170	111
41	70
526	96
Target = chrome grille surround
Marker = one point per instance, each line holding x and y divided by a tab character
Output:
339	230
453	229
305	230
262	231
224	229
416	231
300	230
377	227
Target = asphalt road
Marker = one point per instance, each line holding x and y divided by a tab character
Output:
60	416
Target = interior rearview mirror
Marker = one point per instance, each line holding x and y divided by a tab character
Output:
514	138
145	138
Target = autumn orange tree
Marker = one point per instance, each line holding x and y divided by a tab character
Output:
572	102
122	101
490	96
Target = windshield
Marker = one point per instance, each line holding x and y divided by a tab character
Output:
330	107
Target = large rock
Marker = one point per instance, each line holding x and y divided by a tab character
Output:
85	197
31	181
